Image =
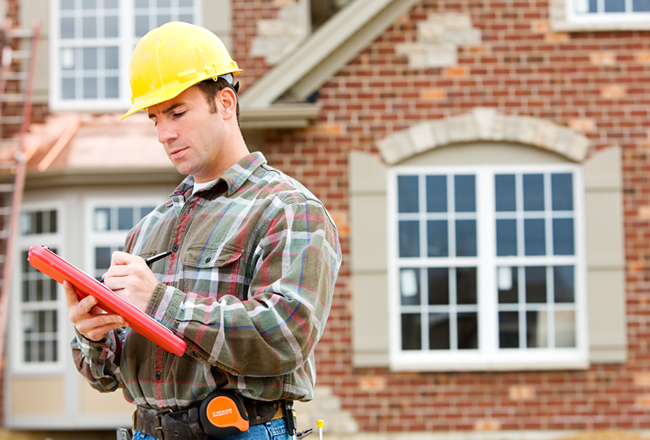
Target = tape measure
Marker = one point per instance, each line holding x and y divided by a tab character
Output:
223	413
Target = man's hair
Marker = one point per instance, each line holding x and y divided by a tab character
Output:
209	87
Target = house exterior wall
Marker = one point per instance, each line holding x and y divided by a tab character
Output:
593	82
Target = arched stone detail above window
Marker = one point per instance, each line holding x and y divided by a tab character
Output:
483	124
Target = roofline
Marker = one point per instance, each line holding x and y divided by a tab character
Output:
280	116
64	177
326	51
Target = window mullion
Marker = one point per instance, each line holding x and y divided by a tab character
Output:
487	265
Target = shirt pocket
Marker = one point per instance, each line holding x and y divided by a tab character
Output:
210	257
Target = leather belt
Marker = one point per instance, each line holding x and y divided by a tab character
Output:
184	424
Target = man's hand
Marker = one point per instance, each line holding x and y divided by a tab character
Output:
130	277
89	320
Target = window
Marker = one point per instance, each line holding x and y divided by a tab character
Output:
487	266
38	305
109	225
91	46
607	11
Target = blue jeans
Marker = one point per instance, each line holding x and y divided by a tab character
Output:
273	430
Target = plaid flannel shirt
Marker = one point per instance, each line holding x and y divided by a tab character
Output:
249	288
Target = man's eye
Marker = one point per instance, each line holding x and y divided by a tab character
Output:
179	114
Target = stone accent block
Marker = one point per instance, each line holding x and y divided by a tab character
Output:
325	406
483	124
438	39
372	383
603	58
613	91
277	38
642	57
435	95
582	125
557	37
487	425
522	392
643	379
455	72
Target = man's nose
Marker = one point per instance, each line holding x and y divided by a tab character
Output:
166	132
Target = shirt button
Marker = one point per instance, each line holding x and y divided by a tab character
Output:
158	375
175	248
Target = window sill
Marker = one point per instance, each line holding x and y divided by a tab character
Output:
532	361
565	26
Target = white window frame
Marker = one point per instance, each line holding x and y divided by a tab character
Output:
23	243
488	356
125	42
602	17
113	238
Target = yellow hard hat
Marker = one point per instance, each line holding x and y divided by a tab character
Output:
172	58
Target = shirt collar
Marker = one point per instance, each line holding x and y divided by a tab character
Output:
234	176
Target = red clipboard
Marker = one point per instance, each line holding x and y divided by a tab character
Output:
52	265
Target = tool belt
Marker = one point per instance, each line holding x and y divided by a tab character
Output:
185	424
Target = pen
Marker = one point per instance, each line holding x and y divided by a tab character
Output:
150	260
155	258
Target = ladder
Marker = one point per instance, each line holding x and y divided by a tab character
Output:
17	69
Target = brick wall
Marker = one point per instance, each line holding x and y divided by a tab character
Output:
596	83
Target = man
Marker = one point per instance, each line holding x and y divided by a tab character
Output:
249	281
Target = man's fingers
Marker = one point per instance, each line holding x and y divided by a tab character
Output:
71	297
118	258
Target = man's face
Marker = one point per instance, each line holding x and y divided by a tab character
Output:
192	136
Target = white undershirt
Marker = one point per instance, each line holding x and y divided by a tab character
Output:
200	186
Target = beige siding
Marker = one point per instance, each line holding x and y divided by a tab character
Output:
37	396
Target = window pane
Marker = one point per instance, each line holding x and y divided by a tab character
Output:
411	331
53	222
68	58
112	87
410	287
407	193
465	238
439	331
38	223
467	331
563	236
409	238
124	219
506	238
187	18
563	284
186	3
466	285
164	3
102	257
641	5
68	88
565	329
465	193
438	286
89	27
141	3
508	329
111	27
111	60
89	4
614	5
508	284
506	199
90	88
102	219
437	238
89	58
67	27
534	237
111	4
533	192
163	18
67	4
562	192
536	329
436	193
535	285
141	25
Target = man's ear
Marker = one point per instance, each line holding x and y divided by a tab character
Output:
227	100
